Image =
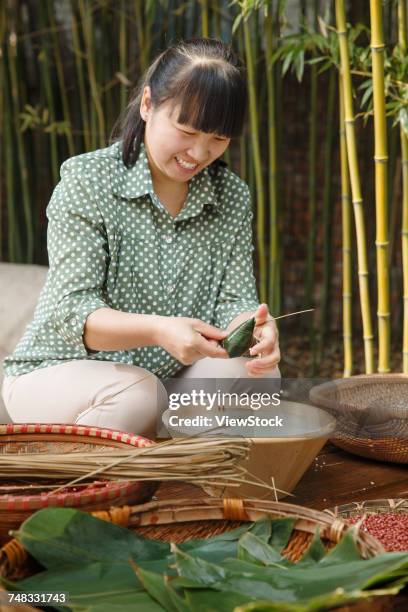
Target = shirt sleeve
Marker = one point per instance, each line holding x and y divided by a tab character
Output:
77	253
237	292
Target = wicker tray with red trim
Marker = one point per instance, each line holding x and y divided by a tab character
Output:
20	499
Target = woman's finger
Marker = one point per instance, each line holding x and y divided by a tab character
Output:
267	361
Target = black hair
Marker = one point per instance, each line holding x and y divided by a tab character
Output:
205	77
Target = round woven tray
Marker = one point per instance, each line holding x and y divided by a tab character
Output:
182	519
371	412
19	499
370	506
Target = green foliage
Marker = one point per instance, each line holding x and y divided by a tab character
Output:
103	565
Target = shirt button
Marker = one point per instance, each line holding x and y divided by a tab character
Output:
170	288
168	238
74	321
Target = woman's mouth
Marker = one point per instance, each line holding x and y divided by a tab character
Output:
186	166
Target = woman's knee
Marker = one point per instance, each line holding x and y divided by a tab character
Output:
133	404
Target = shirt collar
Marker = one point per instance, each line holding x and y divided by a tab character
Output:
134	182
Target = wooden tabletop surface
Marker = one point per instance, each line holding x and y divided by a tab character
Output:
334	478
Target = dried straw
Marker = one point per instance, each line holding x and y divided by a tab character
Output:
194	459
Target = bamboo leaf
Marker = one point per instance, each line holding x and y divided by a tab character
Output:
236	23
161	591
94	587
403	119
300	64
367	95
64	536
255	549
287	62
239	340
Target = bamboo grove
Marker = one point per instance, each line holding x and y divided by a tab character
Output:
67	68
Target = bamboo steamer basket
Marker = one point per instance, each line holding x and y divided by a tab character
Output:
177	520
18	499
371	412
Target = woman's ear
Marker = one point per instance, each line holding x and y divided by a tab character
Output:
145	104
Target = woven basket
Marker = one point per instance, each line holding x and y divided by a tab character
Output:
371	412
18	500
370	506
182	519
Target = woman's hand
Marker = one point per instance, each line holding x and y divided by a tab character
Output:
267	348
189	340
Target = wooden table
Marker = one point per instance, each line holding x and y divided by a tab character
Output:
335	478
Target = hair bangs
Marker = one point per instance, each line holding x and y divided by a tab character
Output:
211	101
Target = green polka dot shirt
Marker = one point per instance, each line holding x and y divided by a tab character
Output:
112	243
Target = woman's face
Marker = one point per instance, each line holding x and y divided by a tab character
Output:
169	144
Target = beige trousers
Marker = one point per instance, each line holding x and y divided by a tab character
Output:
94	393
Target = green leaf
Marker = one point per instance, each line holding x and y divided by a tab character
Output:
217	548
314	553
345	551
160	590
239	340
287	62
281	532
262	528
197	570
94	585
64	536
252	548
300	64
403	119
215	601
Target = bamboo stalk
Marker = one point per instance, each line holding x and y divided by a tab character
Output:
311	243
355	186
49	96
257	165
402	41
274	284
327	217
78	54
204	18
61	78
22	163
85	13
381	183
14	240
140	35
346	247
123	43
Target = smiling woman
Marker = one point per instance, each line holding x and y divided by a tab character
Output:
150	252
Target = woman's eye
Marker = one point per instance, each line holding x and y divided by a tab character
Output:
189	133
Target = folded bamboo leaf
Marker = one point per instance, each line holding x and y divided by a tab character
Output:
281	532
161	591
203	601
314	553
65	536
262	528
239	340
98	555
254	549
345	551
94	586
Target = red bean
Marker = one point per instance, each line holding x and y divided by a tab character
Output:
390	528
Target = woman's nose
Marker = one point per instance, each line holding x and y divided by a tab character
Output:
199	155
